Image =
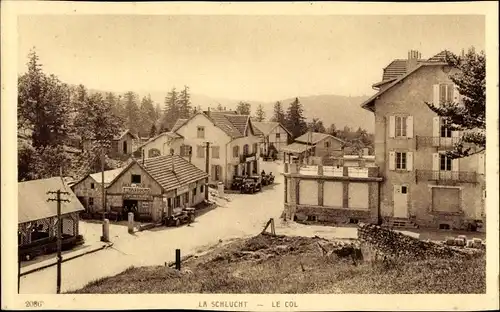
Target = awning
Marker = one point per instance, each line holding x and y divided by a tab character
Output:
296	148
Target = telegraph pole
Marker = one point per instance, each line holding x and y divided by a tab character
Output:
58	199
207	166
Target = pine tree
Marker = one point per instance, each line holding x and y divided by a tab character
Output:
43	105
132	114
243	108
185	103
260	115
171	109
470	117
316	125
278	113
152	131
147	115
332	130
295	121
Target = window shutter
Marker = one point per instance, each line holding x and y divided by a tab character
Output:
436	127
392	160
435	161
480	163
435	95
409	161
392	126
457	98
409	127
455	164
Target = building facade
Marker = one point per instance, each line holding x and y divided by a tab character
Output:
421	185
313	146
331	195
274	137
233	144
149	188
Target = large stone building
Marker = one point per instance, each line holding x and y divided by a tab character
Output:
421	185
233	144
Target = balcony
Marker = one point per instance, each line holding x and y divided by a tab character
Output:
245	157
430	141
332	171
447	176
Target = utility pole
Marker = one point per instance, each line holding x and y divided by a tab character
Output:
207	166
59	232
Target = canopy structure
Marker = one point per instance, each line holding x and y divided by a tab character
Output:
296	148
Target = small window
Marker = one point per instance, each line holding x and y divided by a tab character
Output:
404	189
154	152
445	163
445	93
215	152
91	201
278	135
201	132
136	179
200	151
169	202
92	185
201	188
194	191
445	131
327	144
400	161
312	218
400	124
245	149
236	151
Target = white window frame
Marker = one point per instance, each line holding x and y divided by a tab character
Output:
401	122
200	132
448	163
403	160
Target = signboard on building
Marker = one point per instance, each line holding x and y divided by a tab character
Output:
136	193
252	158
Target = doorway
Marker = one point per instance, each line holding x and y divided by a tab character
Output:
125	149
400	201
130	205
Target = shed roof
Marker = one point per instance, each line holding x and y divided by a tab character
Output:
160	168
33	204
123	133
296	148
315	137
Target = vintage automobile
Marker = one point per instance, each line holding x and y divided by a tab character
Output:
180	216
236	184
251	184
267	179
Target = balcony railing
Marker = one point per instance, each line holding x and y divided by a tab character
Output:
248	156
447	176
430	141
333	171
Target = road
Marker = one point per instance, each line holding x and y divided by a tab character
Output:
243	215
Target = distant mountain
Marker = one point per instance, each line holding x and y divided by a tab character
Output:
337	109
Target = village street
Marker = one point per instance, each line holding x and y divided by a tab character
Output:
244	215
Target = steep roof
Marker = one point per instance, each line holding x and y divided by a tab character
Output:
109	175
315	137
265	127
178	124
172	135
33	204
160	168
296	148
123	133
438	59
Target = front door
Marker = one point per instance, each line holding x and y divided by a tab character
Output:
400	201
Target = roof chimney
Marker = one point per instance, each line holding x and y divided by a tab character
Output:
413	58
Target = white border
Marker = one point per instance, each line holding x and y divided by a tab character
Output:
10	298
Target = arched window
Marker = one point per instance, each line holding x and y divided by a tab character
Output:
245	149
154	152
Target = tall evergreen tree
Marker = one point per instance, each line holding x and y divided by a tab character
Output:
278	113
316	125
171	109
132	114
147	115
43	105
260	115
470	117
295	121
185	108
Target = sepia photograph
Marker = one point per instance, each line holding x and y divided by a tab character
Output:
238	151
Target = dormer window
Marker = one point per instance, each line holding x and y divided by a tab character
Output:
200	132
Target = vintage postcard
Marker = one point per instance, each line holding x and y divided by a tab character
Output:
250	156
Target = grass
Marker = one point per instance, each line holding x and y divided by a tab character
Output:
265	264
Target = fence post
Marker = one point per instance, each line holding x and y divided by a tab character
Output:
178	259
130	222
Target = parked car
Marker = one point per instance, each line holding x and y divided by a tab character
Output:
180	216
251	184
237	182
267	179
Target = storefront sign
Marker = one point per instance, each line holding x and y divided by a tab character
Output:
145	197
137	193
182	189
252	158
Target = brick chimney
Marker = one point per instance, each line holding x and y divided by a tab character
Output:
413	58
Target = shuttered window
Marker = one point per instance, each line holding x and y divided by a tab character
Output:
215	152
445	163
401	161
200	151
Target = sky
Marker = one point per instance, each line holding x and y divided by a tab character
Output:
260	58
